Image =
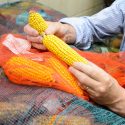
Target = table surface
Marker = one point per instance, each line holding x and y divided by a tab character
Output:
13	16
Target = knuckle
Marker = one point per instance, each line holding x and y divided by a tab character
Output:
93	73
24	28
114	80
97	95
107	79
82	79
32	32
28	38
101	90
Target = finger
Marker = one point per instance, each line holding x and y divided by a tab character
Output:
39	46
84	79
30	31
90	91
37	39
50	30
92	71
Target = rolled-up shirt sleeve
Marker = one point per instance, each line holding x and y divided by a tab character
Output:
106	23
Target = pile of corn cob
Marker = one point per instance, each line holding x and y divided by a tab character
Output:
53	43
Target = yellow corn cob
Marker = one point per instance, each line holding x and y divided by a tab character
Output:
37	22
20	68
53	43
62	50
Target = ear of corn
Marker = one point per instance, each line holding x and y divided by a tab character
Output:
67	81
54	44
37	22
62	50
22	70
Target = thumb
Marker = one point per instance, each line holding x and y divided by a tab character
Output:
53	27
50	30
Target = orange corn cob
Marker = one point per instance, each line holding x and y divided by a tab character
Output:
22	69
67	81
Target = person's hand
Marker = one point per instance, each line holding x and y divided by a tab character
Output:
102	87
64	31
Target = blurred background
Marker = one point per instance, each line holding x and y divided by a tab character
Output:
14	15
69	7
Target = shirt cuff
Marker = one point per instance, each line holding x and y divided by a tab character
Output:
78	24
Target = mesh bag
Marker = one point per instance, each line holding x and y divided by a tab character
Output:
33	105
40	69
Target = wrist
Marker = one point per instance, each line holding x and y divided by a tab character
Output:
119	106
69	33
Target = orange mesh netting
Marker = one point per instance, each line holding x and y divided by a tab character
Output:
37	68
33	67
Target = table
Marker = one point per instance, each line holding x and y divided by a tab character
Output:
13	16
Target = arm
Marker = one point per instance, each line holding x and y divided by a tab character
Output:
106	23
83	30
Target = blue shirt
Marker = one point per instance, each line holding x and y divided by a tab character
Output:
108	22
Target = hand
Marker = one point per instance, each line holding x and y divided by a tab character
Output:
102	87
64	31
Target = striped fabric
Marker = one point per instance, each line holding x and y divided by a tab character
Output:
108	22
